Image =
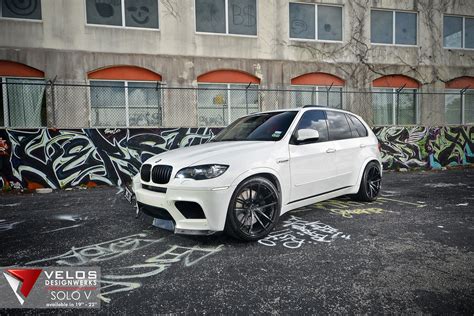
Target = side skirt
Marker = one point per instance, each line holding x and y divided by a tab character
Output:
315	199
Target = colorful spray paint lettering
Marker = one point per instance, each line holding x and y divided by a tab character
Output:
429	147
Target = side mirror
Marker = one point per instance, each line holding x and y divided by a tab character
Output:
307	134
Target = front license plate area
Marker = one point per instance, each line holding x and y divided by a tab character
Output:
130	197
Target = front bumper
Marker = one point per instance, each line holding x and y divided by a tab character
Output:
213	202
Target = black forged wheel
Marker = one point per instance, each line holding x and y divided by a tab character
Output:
253	210
370	183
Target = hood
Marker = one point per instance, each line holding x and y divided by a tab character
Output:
218	152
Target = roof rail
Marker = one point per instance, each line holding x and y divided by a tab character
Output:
314	106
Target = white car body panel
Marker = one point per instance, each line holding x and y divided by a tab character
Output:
313	170
304	174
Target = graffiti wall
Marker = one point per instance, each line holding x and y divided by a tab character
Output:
64	158
428	147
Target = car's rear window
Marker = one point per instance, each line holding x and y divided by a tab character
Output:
358	129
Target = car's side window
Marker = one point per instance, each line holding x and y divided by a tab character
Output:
314	119
357	124
354	132
338	126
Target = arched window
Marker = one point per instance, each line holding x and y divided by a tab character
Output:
317	88
226	95
459	101
395	100
22	91
125	96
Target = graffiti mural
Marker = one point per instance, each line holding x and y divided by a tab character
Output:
66	158
429	147
61	158
403	147
450	146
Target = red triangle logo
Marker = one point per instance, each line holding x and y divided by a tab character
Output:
27	277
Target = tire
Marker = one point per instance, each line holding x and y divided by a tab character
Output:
370	183
254	209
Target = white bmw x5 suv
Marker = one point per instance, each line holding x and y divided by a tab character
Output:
260	167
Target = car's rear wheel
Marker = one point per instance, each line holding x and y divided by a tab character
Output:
370	183
254	209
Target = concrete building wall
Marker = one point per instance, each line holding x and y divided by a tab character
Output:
66	48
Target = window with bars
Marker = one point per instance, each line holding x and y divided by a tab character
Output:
394	107
219	104
23	102
316	95
125	103
459	106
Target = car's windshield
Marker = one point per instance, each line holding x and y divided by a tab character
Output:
271	126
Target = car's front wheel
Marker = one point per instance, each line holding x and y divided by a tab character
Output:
254	209
370	183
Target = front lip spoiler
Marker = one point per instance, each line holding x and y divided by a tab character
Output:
194	232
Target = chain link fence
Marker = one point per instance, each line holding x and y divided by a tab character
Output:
28	103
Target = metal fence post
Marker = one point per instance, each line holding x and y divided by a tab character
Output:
462	103
50	103
314	96
397	105
327	94
247	98
159	99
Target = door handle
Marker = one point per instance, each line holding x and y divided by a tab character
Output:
331	150
363	145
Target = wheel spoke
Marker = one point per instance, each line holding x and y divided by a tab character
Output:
245	218
375	185
268	205
373	191
264	215
271	194
241	201
259	221
251	223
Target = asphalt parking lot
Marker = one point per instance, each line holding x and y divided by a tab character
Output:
411	251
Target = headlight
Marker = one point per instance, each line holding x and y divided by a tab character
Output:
201	172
